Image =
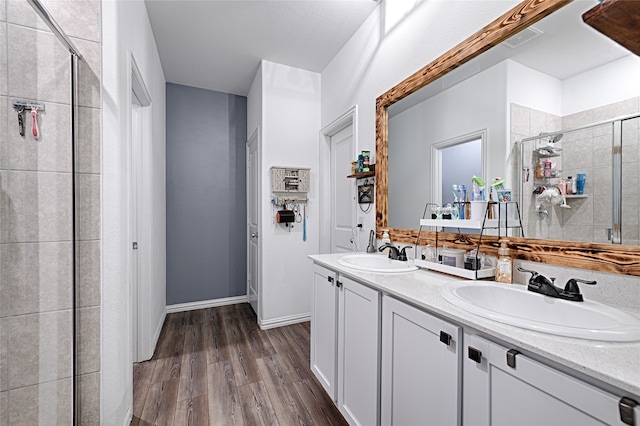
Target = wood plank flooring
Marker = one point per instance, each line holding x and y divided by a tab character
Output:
216	367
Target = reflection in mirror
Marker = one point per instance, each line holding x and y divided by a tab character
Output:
456	163
602	155
559	74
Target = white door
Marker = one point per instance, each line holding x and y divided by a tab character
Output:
342	191
253	221
420	377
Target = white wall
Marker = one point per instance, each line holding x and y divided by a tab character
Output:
472	106
601	86
254	103
377	58
533	89
126	29
285	102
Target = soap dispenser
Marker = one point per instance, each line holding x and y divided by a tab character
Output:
385	240
504	266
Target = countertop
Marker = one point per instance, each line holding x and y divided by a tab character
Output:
615	364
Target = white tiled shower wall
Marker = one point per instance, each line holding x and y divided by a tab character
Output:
36	217
586	151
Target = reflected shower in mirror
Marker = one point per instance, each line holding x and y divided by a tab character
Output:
606	153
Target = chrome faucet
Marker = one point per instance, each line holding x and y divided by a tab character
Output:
394	252
543	285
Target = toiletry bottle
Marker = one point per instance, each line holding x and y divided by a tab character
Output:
467	208
385	239
504	266
574	186
569	185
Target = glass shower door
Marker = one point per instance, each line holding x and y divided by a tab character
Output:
37	273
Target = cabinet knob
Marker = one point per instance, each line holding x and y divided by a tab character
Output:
445	338
475	354
338	284
330	279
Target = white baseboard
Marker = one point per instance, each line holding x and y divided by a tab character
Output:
203	304
129	417
156	335
280	322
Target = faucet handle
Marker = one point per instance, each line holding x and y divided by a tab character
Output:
533	273
572	285
403	253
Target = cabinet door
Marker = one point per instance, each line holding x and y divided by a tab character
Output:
530	393
358	352
420	373
324	337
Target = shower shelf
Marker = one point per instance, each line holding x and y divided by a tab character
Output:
570	196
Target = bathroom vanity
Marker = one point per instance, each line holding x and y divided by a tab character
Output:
388	349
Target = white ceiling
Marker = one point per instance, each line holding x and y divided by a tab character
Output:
218	44
567	47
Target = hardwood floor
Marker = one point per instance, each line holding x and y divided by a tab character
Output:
216	367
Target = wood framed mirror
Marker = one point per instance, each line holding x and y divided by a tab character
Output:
601	257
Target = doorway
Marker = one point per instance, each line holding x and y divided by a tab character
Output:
140	312
337	192
253	221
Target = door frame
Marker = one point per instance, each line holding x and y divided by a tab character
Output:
138	173
436	159
349	118
255	138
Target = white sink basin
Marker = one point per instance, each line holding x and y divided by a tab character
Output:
515	305
375	263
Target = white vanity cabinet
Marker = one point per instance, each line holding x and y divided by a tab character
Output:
503	387
324	329
420	367
345	337
358	352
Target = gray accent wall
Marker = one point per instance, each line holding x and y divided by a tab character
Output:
206	194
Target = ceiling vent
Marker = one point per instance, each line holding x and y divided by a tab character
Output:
522	37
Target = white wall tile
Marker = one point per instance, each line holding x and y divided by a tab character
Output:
88	206
4	408
40	206
89	401
4	355
45	404
88	335
3	57
52	150
39	348
88	153
4	206
8	126
4	281
88	264
46	79
89	73
41	277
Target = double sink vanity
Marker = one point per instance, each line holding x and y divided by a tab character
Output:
394	345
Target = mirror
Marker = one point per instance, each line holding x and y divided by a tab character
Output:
506	85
